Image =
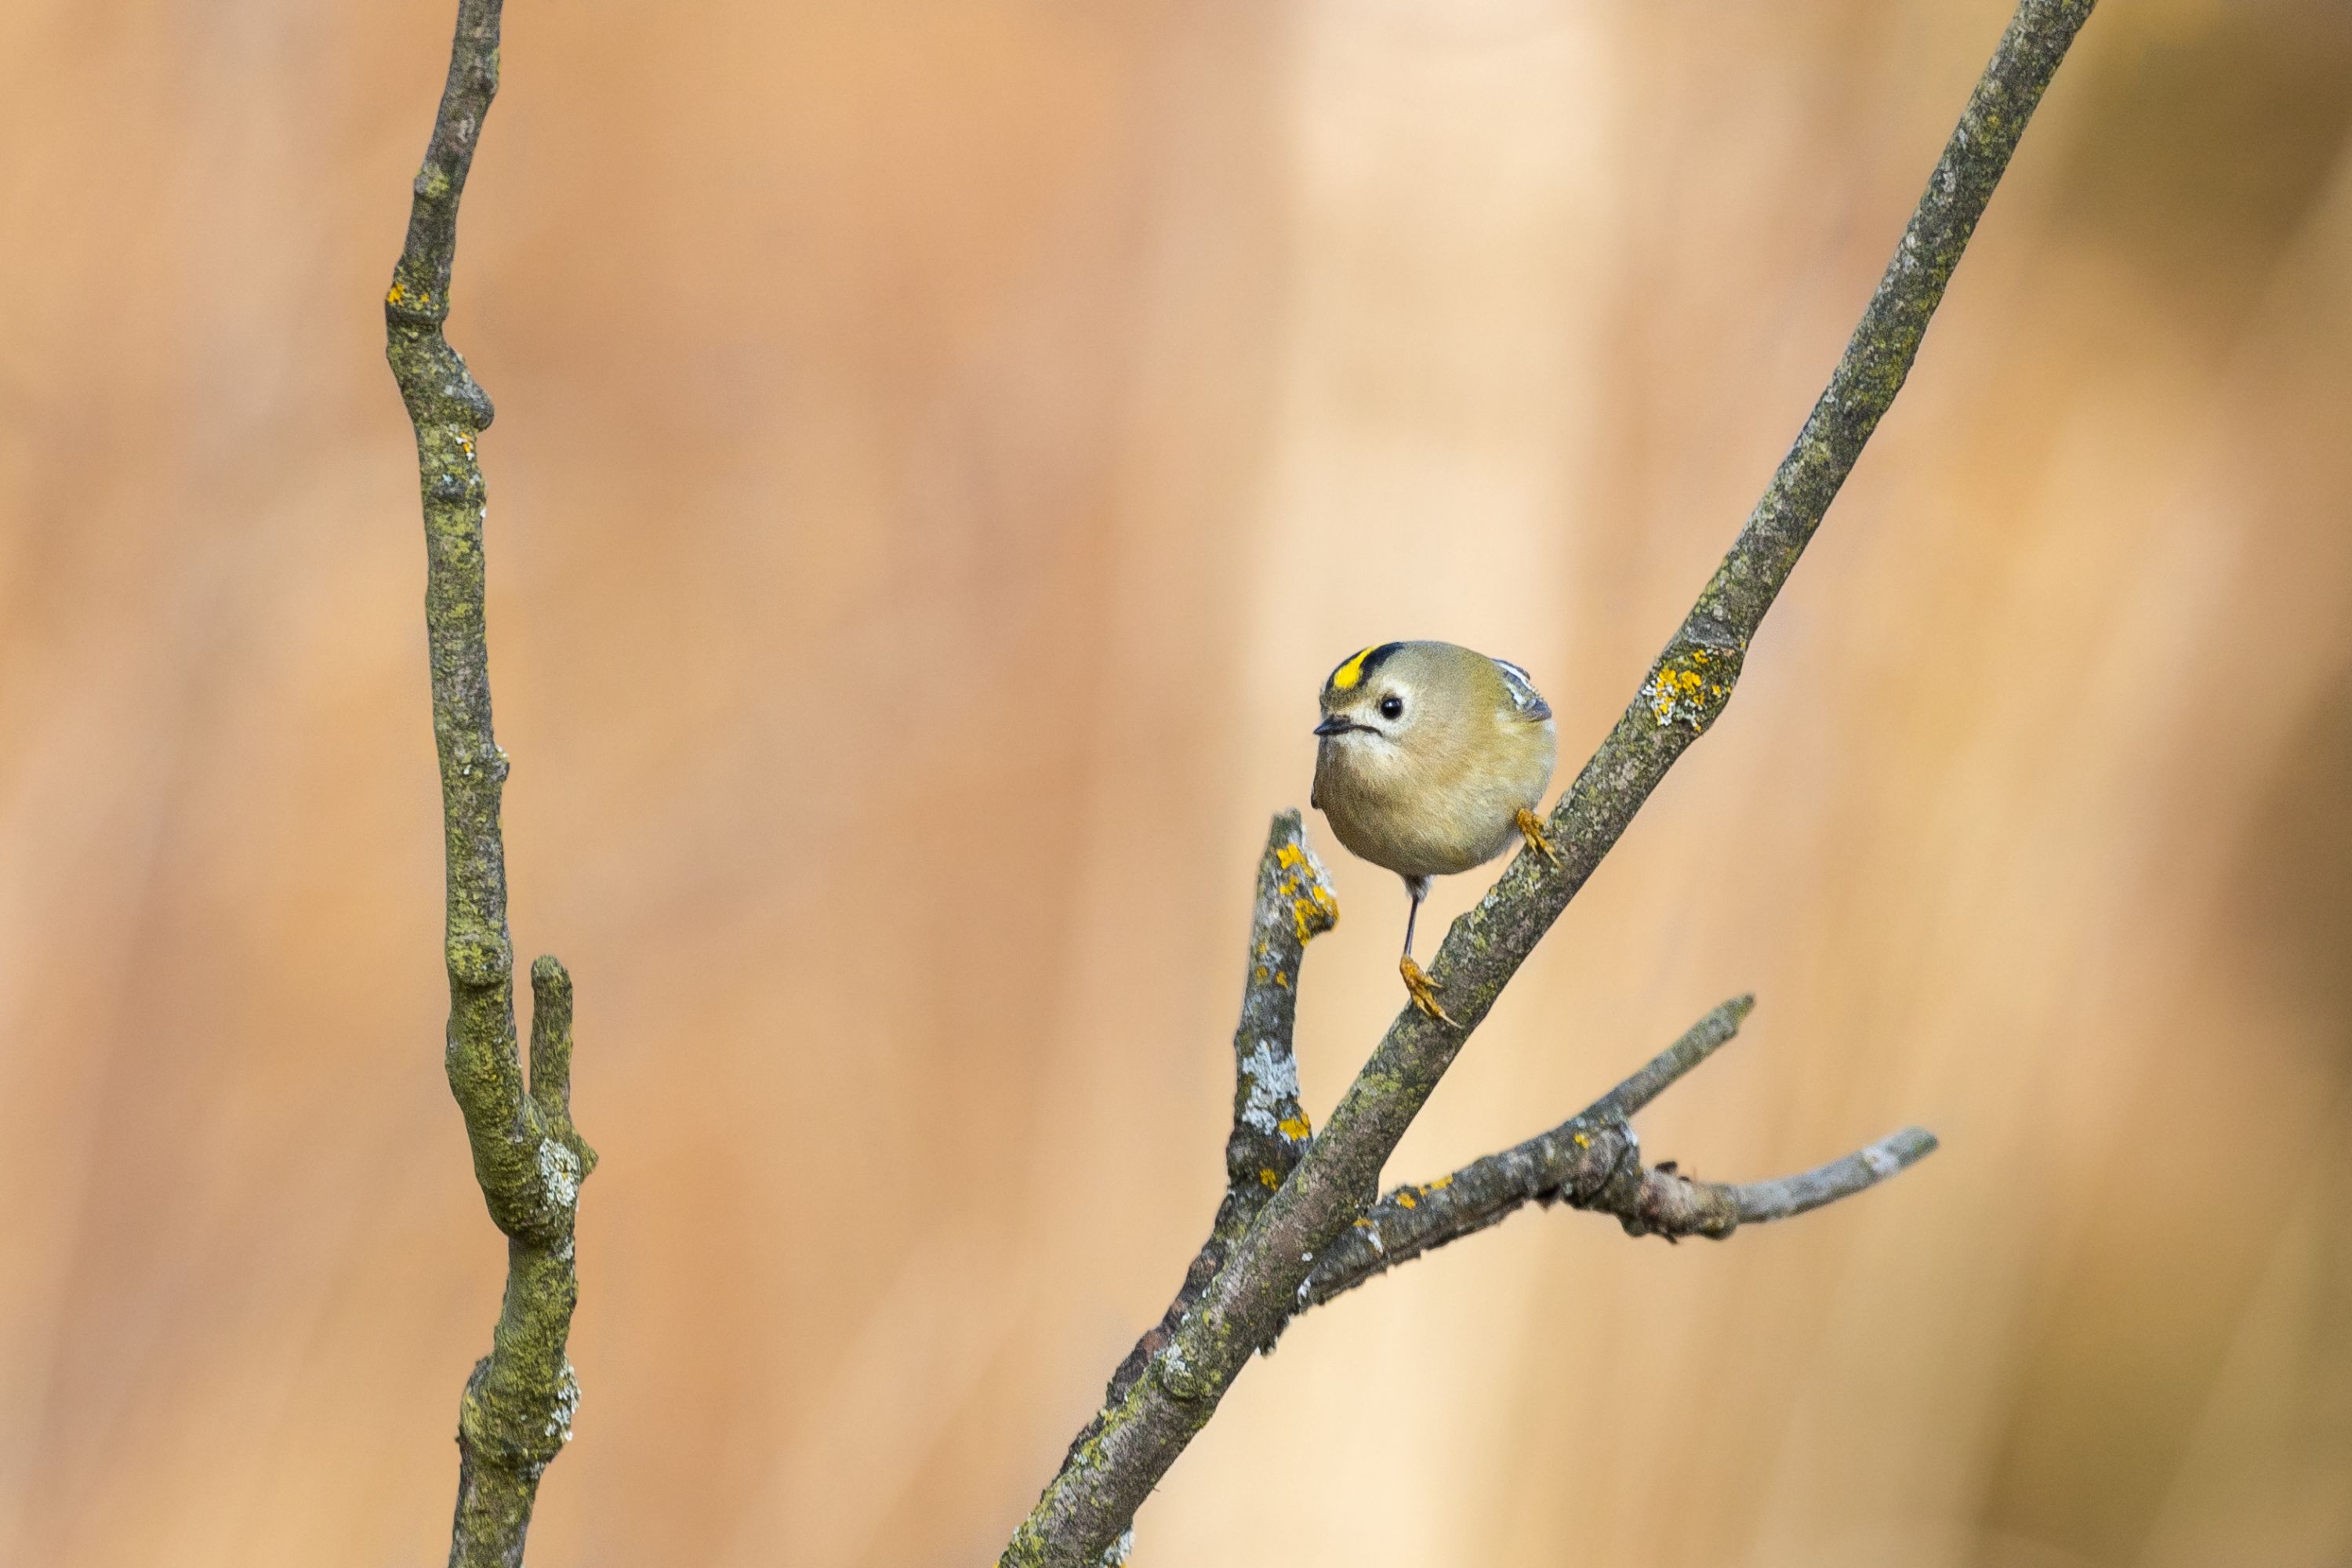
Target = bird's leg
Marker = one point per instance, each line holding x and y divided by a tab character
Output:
1417	983
1531	829
1418	889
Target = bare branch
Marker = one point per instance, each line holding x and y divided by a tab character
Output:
516	1414
1593	1161
1129	1445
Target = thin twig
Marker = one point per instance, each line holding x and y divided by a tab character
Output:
516	1414
1593	1161
1665	1070
1108	1474
1810	1190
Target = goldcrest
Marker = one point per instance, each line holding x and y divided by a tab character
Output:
1431	760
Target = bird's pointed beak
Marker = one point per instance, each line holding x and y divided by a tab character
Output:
1332	725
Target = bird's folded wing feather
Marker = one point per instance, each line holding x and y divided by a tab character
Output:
1525	698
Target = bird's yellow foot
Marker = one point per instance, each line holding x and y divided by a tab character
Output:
1423	991
1531	829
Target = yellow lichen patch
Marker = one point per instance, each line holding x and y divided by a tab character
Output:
1689	686
1670	688
1295	1128
1262	975
1282	980
1439	1184
1313	908
1405	1200
1267	1179
396	296
1318	912
1583	1142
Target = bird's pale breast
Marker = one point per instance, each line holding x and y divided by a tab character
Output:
1425	813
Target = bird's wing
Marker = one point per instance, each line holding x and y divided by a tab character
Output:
1526	700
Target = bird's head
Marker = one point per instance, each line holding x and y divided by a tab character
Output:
1373	697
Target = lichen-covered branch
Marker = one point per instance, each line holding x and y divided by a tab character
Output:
1294	905
515	1412
1129	1446
1593	1161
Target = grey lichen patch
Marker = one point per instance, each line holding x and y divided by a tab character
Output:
1272	1078
567	1403
559	1175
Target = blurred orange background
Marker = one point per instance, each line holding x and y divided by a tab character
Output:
943	445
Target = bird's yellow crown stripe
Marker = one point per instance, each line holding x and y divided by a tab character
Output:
1347	673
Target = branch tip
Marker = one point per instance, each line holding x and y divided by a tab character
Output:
1865	1168
1716	1029
550	1053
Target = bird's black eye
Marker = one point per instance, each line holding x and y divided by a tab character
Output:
1392	706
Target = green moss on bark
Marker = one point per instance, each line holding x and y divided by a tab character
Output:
515	1414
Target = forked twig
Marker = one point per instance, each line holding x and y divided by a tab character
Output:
1593	1161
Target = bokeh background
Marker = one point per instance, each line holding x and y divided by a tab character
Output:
943	447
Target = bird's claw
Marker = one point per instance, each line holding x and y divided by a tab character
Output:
1423	991
1531	829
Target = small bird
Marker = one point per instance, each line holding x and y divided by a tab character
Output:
1431	760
